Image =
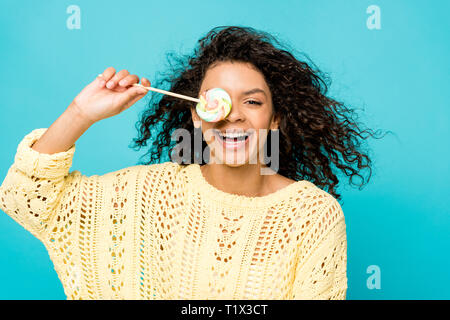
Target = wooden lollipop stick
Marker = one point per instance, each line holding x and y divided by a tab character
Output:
168	93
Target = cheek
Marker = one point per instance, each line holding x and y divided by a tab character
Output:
260	118
261	124
208	133
260	137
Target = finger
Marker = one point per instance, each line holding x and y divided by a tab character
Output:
100	82
129	80
105	76
136	98
108	74
131	95
136	92
117	77
145	82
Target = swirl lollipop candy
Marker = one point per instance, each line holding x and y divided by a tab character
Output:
214	105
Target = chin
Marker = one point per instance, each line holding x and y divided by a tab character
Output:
232	158
235	165
231	162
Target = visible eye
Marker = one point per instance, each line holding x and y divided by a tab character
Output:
254	102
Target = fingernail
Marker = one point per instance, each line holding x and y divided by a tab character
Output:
121	82
101	83
110	84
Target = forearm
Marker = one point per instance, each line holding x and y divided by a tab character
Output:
63	133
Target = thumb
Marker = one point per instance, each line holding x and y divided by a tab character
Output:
131	95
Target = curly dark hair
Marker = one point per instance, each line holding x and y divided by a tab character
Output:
316	132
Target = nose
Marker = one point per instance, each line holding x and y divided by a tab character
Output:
235	113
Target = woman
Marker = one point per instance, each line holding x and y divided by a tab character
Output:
211	225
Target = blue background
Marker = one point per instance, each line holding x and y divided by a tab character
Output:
397	76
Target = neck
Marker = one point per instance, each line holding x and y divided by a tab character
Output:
245	180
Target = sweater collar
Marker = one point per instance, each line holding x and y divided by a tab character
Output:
200	184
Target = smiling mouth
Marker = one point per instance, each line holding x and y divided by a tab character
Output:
232	140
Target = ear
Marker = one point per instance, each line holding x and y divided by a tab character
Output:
275	124
195	118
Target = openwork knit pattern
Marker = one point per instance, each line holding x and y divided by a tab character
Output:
162	231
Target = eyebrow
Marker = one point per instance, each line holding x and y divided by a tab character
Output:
255	90
246	93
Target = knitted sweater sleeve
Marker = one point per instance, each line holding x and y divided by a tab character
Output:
321	272
34	185
52	203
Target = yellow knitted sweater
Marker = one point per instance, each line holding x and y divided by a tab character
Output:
162	231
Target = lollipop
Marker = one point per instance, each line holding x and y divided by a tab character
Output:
214	106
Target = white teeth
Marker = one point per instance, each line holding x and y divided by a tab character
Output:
233	135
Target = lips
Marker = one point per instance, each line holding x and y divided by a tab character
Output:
232	143
233	140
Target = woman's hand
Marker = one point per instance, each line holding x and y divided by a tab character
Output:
108	95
